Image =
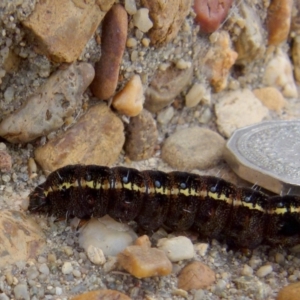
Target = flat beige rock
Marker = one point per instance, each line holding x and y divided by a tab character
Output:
20	238
97	138
63	27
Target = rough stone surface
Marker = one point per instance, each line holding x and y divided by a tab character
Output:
106	234
167	17
165	86
279	21
289	292
250	44
113	41
81	144
279	74
271	98
102	294
193	148
50	106
21	238
21	292
129	101
210	13
296	57
63	27
219	59
238	109
295	23
177	248
196	275
5	161
141	136
142	261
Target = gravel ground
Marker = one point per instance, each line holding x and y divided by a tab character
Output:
259	276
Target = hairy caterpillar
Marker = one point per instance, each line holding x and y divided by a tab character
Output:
215	208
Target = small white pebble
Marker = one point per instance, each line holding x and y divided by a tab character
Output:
68	250
141	20
111	264
67	268
181	64
76	273
95	255
130	7
2	146
205	116
145	42
131	42
195	94
177	248
264	271
180	292
58	290
247	271
165	115
43	268
279	258
201	248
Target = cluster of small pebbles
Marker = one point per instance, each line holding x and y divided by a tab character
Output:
149	84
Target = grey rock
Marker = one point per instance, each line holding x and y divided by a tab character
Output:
193	148
47	109
165	86
141	136
21	292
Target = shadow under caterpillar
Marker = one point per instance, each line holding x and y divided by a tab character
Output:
215	208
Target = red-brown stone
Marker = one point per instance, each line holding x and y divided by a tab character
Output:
210	13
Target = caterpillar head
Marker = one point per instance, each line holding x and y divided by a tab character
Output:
38	200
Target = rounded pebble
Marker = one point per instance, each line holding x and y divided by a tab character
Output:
165	115
130	7
43	268
21	292
193	148
106	234
247	271
67	268
177	248
264	271
271	98
195	94
196	275
95	255
210	14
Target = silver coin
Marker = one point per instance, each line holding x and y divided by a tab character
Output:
267	154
